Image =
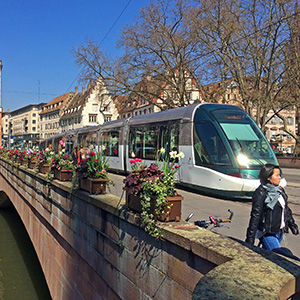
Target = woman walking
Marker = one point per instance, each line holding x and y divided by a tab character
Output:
270	214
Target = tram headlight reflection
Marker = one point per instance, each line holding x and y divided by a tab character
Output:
243	160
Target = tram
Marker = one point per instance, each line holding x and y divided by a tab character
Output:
224	148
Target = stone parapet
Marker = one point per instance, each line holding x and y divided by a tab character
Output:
92	247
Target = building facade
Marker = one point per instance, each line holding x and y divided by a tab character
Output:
142	102
23	126
50	115
93	106
5	128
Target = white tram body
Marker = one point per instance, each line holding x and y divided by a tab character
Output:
223	147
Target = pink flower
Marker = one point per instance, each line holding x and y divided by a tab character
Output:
132	161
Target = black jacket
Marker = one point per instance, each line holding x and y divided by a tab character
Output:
268	220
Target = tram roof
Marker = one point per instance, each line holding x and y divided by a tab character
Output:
114	124
166	115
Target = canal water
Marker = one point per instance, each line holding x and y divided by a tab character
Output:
21	276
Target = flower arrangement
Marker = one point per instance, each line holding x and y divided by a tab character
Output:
61	160
156	181
94	165
45	157
20	156
31	158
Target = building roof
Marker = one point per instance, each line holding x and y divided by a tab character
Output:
60	99
26	108
75	106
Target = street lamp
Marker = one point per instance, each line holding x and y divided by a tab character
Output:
231	86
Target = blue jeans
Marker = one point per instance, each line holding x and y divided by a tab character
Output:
272	241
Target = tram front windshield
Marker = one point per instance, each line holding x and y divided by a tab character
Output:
246	140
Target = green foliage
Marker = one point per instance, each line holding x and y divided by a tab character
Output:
153	184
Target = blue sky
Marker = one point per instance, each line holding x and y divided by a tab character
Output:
36	41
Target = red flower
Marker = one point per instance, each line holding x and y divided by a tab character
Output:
92	154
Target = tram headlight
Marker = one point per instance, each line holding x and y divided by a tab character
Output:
243	160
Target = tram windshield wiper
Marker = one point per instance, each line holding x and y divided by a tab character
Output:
248	154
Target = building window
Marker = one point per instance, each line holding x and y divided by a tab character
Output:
93	118
33	128
95	108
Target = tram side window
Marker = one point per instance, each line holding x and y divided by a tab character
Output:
81	140
143	143
110	143
91	139
169	139
150	143
69	146
208	146
135	143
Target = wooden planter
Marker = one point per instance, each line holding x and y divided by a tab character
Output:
23	161
169	214
32	165
93	185
44	168
63	175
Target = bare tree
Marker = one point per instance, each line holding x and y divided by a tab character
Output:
244	41
172	43
161	49
158	51
291	80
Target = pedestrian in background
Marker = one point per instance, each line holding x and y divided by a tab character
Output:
75	155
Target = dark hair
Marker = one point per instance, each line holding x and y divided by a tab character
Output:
267	171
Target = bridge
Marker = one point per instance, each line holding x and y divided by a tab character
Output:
92	247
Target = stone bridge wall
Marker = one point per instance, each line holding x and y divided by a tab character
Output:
91	247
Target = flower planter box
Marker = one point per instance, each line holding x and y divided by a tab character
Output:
171	214
44	168
32	165
23	161
93	185
63	175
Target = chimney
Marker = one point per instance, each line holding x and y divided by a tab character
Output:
91	82
83	90
8	110
76	90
